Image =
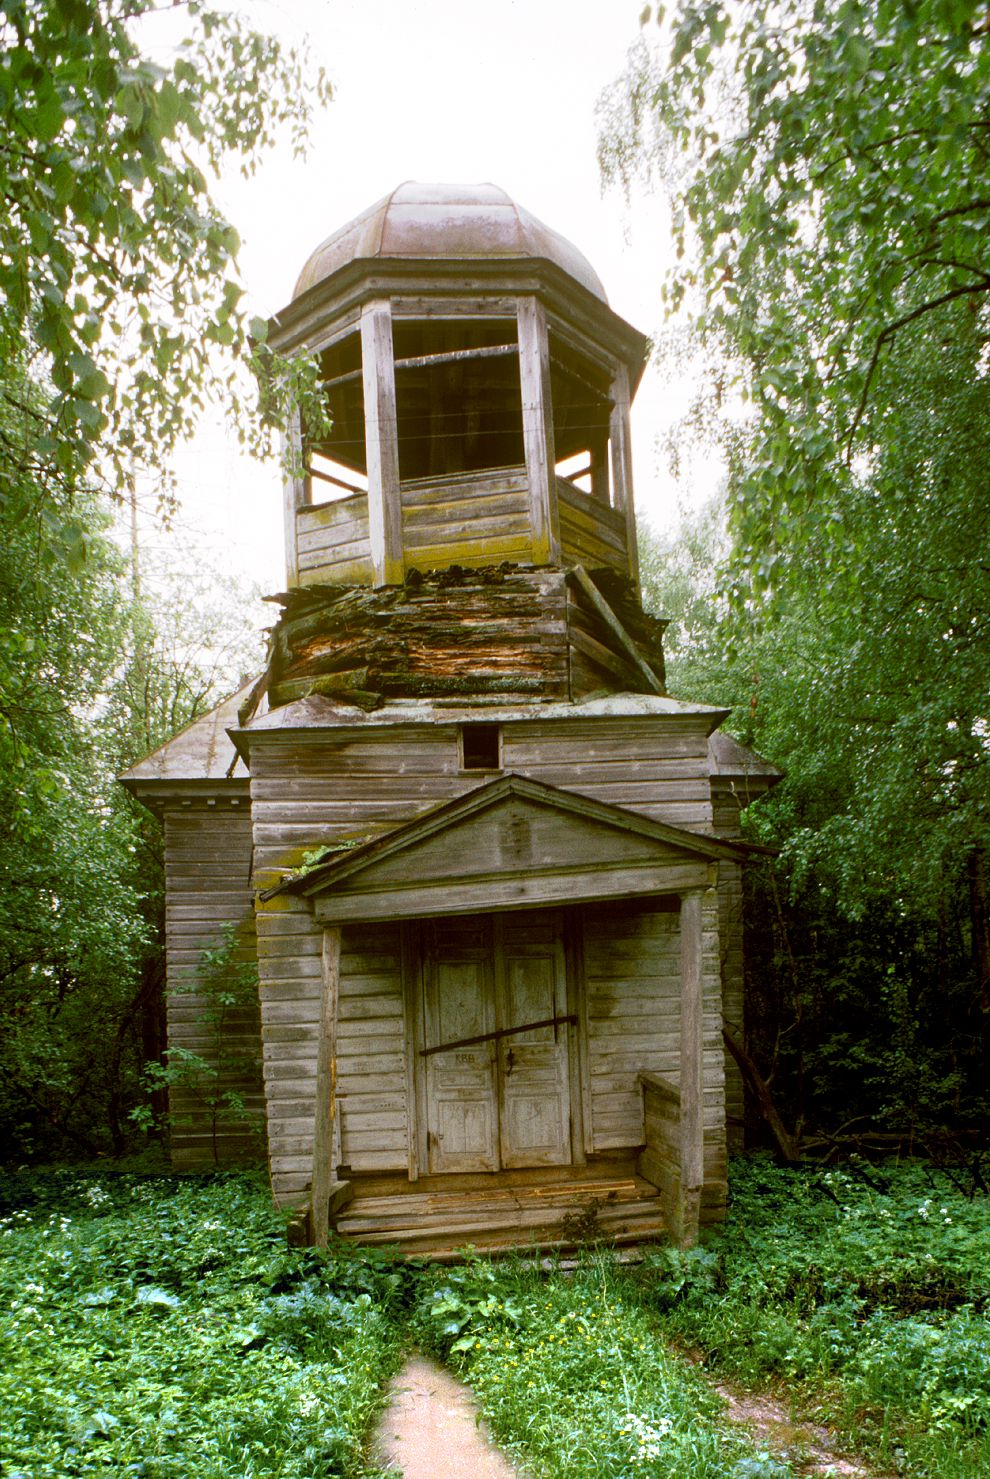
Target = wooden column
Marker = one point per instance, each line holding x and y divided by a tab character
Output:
325	1125
691	1077
537	413
622	475
382	443
295	495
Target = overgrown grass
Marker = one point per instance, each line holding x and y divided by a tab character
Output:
571	1374
162	1328
867	1290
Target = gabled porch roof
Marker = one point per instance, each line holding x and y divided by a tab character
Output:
510	843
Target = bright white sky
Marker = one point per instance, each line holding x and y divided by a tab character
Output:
438	90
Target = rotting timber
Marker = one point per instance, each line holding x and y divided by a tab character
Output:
509	631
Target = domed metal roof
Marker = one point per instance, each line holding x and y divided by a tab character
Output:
446	221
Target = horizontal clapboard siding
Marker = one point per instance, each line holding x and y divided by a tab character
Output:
470	519
306	795
333	542
647	766
310	790
591	533
632	985
208	887
730	892
371	1077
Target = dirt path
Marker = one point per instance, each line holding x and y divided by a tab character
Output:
431	1430
807	1446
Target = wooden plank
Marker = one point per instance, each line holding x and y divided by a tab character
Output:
534	378
324	1130
331	516
381	437
691	1074
585	512
620	445
479	504
344	542
446	306
347	572
451	525
608	616
295	493
512	892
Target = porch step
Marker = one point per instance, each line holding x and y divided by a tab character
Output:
561	1215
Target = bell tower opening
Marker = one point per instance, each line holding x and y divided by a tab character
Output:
479	387
457	396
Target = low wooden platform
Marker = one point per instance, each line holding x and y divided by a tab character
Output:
617	1209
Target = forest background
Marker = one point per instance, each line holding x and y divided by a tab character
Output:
829	171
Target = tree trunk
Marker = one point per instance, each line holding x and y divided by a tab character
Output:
760	1090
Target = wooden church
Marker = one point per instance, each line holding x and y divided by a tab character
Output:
488	868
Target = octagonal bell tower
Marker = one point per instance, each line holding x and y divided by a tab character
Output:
479	385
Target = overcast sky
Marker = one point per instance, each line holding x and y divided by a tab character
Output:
437	90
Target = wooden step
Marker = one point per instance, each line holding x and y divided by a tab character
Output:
499	1218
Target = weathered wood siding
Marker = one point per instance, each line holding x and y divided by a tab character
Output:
310	789
591	533
333	542
495	632
208	886
371	1074
725	809
646	765
633	990
470	519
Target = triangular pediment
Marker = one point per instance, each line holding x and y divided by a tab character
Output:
510	843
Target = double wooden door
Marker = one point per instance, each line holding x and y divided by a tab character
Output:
502	1102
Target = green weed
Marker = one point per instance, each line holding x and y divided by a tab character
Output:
571	1374
161	1328
867	1290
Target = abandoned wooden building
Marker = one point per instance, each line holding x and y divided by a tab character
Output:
488	869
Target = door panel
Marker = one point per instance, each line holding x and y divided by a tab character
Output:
505	1102
533	1079
460	1084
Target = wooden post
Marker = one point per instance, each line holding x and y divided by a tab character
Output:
325	1125
295	495
622	476
537	414
382	443
691	1076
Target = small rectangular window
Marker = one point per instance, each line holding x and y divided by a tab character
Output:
481	747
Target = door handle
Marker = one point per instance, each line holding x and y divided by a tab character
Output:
510	1058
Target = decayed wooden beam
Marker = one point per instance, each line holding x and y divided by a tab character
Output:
325	1125
449	356
534	380
381	437
620	439
295	493
608	616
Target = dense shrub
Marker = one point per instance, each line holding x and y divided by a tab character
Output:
161	1327
871	1285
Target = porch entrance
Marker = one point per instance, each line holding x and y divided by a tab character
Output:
501	1103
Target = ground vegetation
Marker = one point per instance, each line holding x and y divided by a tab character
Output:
156	1324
